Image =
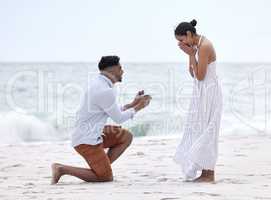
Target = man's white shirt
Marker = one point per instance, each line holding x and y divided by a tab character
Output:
99	103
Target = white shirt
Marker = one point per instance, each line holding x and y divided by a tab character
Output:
98	103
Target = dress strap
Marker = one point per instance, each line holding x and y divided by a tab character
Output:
199	41
197	47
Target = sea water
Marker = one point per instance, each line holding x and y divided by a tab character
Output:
38	101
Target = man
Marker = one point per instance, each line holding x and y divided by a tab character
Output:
90	136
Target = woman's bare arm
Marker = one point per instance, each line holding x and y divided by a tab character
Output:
200	66
191	68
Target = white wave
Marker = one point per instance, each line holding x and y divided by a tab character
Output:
18	127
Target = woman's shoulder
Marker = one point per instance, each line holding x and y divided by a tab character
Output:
206	44
205	48
208	48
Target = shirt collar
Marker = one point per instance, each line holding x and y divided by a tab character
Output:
110	83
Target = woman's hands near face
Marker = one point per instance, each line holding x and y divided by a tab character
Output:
187	49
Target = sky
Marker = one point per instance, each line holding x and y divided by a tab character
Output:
137	31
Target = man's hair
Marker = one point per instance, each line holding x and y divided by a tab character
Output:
108	61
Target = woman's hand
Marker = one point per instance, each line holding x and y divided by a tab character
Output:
187	49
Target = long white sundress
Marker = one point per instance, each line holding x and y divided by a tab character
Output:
198	148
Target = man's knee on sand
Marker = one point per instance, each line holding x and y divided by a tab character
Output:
106	178
126	138
104	174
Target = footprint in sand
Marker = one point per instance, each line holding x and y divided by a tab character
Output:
31	197
240	155
147	193
140	154
162	179
206	194
81	189
265	174
231	181
250	175
29	184
144	175
11	166
160	166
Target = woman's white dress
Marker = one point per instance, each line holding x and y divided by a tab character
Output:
198	148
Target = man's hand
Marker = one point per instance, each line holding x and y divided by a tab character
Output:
140	93
143	102
137	98
187	49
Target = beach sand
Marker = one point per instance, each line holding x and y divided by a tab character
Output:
145	171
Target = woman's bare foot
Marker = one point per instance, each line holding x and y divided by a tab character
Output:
204	179
206	176
56	173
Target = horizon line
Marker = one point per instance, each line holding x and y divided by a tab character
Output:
129	62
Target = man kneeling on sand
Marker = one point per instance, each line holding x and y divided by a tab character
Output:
91	136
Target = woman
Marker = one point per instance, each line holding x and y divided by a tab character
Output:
198	149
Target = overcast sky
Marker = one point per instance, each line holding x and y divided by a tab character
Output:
137	31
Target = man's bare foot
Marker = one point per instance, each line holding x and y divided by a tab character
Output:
56	173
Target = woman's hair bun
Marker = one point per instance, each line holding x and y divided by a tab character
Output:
193	22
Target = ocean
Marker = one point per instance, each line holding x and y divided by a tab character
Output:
38	101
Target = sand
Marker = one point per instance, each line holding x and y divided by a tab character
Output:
145	171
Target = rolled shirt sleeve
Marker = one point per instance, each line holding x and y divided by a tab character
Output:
106	100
